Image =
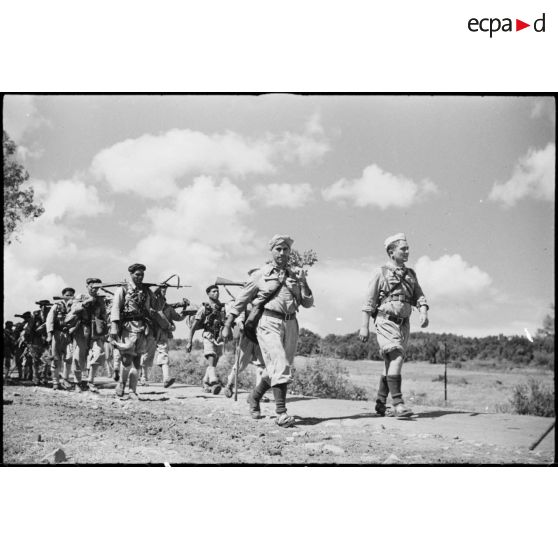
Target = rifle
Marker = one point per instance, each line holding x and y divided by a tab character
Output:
221	281
163	284
184	304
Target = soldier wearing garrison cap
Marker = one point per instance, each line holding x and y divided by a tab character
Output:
58	337
280	290
87	320
392	293
210	317
130	323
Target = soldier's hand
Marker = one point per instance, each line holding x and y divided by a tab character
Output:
226	334
188	346
363	334
424	319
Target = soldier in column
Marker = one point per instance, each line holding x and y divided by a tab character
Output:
280	291
210	317
58	337
130	322
88	318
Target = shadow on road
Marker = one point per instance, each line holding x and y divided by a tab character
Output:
436	414
311	421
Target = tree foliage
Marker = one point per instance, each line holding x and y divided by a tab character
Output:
19	204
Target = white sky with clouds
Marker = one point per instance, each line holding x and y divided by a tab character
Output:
196	185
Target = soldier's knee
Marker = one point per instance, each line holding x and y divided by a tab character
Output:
126	360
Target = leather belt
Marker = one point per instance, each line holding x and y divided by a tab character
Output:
279	315
395	319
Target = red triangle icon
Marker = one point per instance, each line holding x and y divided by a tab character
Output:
519	25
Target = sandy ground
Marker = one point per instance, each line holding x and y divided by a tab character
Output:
185	425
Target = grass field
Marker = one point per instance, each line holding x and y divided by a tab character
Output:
480	390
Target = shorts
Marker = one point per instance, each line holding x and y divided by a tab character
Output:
211	347
162	354
391	336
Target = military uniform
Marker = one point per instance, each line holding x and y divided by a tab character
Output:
61	344
248	353
280	291
392	293
9	348
212	317
90	317
131	309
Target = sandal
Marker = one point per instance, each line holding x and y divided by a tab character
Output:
216	388
400	411
284	420
380	409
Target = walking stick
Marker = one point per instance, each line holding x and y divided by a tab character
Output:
237	355
533	446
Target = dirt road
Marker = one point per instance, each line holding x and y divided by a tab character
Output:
184	425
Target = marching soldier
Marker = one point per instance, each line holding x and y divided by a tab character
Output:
88	319
130	323
279	290
9	347
392	293
210	317
59	339
164	317
248	353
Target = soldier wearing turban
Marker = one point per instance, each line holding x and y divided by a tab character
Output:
280	291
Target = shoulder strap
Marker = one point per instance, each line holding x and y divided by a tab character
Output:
384	269
274	293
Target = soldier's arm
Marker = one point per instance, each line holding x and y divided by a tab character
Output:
370	305
50	320
247	294
117	304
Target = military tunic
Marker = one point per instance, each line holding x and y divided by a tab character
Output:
277	331
392	293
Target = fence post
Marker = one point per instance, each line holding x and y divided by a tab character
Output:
445	373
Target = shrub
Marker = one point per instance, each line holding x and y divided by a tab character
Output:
325	378
533	399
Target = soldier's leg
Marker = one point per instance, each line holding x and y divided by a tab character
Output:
117	364
95	359
79	355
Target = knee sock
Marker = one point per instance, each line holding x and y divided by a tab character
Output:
133	379
383	390
260	389
394	383
280	396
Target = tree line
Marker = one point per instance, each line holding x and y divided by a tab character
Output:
435	347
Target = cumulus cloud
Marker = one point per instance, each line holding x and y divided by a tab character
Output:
152	166
284	195
68	198
201	234
533	177
451	279
25	284
53	237
380	188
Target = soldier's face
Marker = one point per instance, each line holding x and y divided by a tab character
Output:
401	252
93	289
137	276
213	294
68	295
280	254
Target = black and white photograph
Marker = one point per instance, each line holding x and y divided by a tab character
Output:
279	279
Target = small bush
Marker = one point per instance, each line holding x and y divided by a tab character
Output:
327	379
533	399
454	380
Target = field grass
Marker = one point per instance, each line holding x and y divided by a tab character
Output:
484	390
